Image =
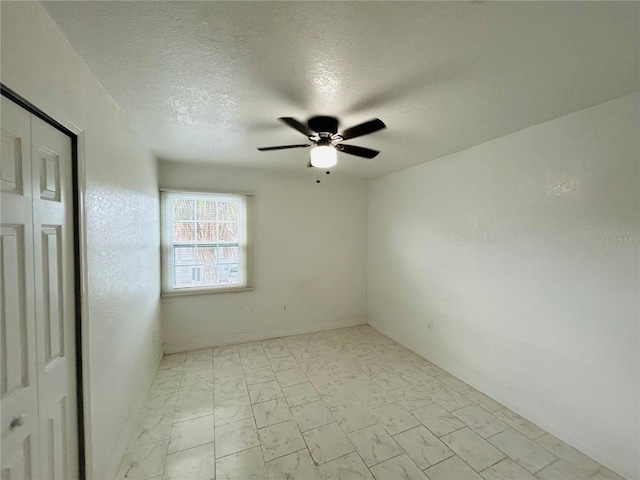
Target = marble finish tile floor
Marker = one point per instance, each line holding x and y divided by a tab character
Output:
342	404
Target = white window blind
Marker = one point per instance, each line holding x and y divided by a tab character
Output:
206	242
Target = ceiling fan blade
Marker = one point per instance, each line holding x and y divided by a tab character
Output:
301	127
357	151
283	147
363	129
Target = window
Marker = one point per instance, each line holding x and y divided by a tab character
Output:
205	242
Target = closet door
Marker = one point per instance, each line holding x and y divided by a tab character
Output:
54	292
38	317
19	383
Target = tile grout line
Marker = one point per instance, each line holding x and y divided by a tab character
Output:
392	355
335	421
253	412
164	463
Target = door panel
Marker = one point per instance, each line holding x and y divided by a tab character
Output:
49	184
12	179
17	463
55	457
54	293
15	365
19	397
53	314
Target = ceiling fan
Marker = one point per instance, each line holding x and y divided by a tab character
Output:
323	134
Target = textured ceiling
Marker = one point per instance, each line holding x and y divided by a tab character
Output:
205	81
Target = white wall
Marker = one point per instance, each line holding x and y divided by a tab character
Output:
501	247
121	225
310	253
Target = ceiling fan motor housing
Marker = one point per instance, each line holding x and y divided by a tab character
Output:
323	124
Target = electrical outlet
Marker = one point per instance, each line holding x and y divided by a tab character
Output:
284	307
430	326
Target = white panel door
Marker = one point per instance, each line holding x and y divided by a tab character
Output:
54	288
19	397
50	301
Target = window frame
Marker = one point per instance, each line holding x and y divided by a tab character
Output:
245	243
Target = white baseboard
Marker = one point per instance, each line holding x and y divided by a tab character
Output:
454	369
480	384
134	414
266	334
513	402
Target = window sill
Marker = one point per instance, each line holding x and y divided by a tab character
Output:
205	291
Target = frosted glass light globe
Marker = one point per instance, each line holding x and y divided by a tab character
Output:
324	156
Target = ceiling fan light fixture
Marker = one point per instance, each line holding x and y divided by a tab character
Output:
324	156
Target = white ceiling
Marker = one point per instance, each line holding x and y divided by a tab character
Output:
205	81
